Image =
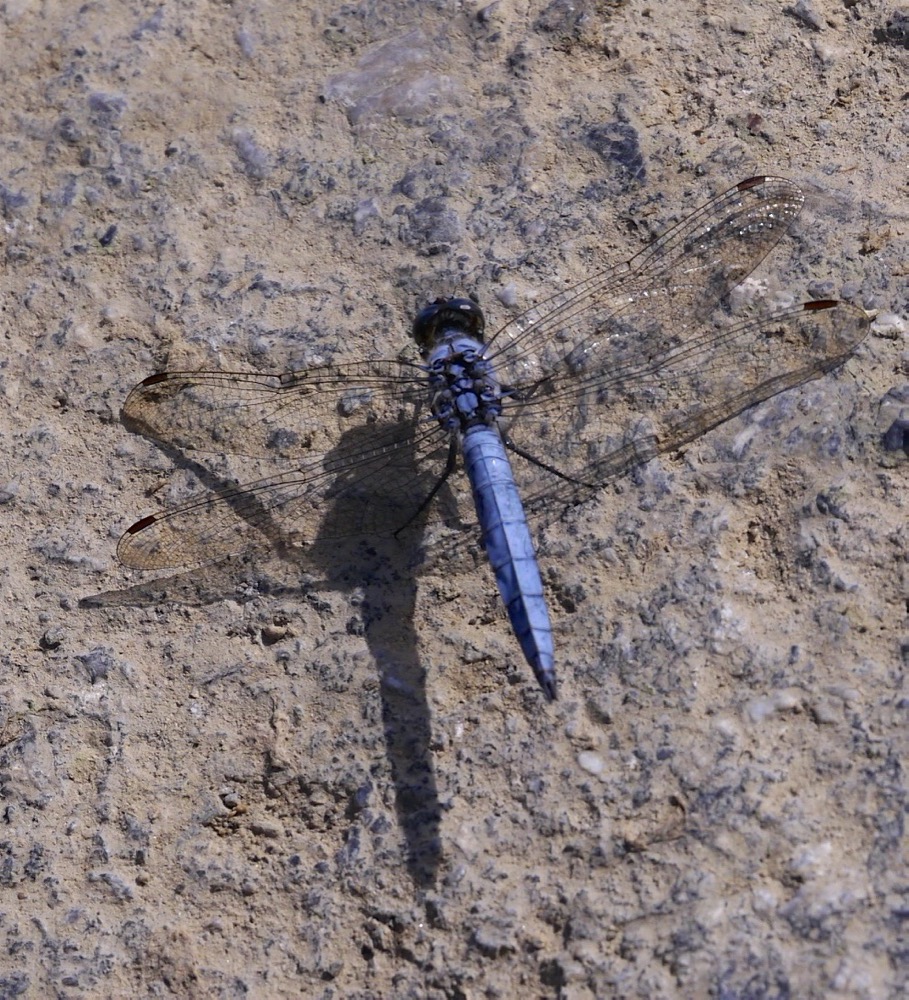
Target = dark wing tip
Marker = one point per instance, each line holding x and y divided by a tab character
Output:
140	525
751	182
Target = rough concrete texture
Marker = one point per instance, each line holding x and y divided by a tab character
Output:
259	782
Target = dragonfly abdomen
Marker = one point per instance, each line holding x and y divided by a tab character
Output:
508	544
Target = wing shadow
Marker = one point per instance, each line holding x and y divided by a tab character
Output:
383	568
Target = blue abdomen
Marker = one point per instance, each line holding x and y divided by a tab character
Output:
506	538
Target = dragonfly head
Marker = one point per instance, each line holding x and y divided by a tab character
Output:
446	318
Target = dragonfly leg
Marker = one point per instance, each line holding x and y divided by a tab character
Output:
450	464
526	455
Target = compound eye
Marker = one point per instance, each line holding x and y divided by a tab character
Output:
445	316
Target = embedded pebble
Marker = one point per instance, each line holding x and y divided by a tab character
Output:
591	762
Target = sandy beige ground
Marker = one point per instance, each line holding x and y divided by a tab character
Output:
346	784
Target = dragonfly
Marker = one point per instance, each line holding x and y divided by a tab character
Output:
634	361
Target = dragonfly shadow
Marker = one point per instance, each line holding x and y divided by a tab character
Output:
381	571
377	573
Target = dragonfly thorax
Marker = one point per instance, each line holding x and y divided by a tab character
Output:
465	390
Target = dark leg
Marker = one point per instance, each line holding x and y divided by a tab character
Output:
511	446
450	464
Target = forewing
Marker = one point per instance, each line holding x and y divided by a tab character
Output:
655	300
293	416
589	427
365	457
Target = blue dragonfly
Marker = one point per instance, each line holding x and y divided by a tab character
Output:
634	361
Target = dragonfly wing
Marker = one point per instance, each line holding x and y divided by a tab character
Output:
590	427
656	297
292	416
365	458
